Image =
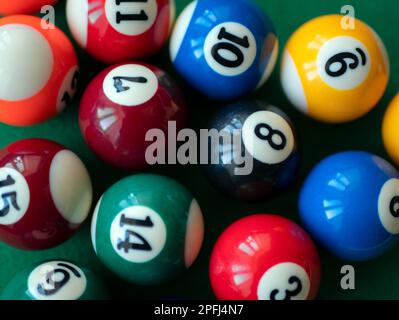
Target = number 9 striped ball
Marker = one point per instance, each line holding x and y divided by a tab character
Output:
224	50
332	72
147	229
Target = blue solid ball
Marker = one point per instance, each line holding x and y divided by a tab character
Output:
350	204
223	48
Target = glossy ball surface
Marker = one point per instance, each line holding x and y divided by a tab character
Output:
264	257
133	29
46	194
9	7
225	51
38	71
390	130
147	229
55	280
350	204
260	157
121	105
334	73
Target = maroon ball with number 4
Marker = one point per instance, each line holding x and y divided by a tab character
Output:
121	105
45	194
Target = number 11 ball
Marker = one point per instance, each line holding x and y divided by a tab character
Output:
147	229
334	71
222	49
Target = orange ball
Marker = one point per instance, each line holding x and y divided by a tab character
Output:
38	70
8	7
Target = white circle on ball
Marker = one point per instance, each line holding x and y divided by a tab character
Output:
68	88
78	17
284	281
230	49
131	18
388	206
194	233
138	234
130	85
57	280
268	137
343	63
14	196
26	62
70	187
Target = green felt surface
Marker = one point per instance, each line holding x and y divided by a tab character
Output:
377	279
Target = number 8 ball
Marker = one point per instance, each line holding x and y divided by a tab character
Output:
263	137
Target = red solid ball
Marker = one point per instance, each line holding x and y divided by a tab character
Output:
115	31
8	7
264	257
46	194
121	105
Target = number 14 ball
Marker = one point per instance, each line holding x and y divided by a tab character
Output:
224	49
332	72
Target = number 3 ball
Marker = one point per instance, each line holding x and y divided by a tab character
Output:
8	7
121	105
350	204
147	229
55	280
333	71
120	30
224	50
45	193
38	71
264	257
257	154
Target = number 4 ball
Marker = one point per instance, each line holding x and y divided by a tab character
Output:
120	30
46	194
147	229
38	71
224	50
334	74
264	257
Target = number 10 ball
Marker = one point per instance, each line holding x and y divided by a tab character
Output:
224	50
333	72
147	229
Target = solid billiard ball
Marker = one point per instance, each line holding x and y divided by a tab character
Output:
334	74
121	105
147	229
264	257
257	154
390	129
55	280
8	7
224	51
350	204
114	31
38	71
46	194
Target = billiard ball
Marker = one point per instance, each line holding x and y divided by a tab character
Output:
8	7
38	71
334	73
256	155
46	194
264	257
350	204
114	31
147	229
225	51
121	105
55	280
390	129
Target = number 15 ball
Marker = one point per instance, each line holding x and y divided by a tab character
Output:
335	72
224	50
